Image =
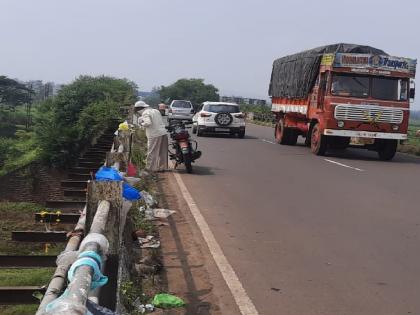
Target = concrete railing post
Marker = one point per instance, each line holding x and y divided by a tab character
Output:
110	191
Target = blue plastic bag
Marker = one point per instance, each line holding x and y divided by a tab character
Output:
108	173
130	193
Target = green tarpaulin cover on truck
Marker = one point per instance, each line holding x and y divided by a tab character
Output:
294	76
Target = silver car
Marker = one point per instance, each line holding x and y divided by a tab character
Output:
181	109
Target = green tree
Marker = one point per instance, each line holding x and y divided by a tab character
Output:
13	93
194	90
67	123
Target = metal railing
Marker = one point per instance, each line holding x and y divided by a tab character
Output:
103	209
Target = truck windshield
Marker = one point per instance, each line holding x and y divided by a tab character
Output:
350	85
381	88
391	89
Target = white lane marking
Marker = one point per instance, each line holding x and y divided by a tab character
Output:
344	165
267	141
245	305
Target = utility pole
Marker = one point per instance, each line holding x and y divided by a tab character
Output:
28	108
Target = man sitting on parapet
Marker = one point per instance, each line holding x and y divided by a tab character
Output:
157	138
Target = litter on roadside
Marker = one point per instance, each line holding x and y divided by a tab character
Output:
160	223
130	193
162	213
124	126
147	212
143	308
164	300
151	214
149	242
148	199
131	169
144	173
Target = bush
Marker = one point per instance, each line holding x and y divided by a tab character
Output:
5	148
66	124
255	108
9	119
17	152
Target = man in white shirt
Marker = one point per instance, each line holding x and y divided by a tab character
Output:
157	138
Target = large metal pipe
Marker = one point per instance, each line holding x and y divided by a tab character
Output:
79	288
59	279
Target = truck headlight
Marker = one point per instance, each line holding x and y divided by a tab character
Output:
340	123
395	127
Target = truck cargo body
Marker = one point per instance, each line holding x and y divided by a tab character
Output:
342	98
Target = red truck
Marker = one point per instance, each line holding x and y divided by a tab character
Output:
340	95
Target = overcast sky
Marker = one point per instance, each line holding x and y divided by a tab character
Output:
229	43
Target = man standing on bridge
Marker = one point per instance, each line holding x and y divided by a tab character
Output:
157	138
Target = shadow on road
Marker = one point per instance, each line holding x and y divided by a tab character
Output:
197	170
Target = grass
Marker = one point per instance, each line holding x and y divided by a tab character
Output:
18	309
25	277
17	152
412	145
139	221
130	292
20	216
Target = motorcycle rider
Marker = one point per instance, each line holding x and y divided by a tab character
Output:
157	138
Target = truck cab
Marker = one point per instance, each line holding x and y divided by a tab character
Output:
356	99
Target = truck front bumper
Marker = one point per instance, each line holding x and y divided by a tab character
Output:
365	134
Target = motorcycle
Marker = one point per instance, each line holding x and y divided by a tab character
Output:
182	149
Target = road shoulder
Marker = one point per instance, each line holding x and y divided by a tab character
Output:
190	270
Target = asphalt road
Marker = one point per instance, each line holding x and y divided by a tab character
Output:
308	236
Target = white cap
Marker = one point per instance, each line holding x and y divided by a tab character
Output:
140	104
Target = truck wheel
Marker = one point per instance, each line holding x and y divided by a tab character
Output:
318	141
387	150
281	133
308	136
194	129
292	136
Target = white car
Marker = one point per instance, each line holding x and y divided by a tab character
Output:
180	110
219	117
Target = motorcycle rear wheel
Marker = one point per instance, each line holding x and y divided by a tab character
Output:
187	162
